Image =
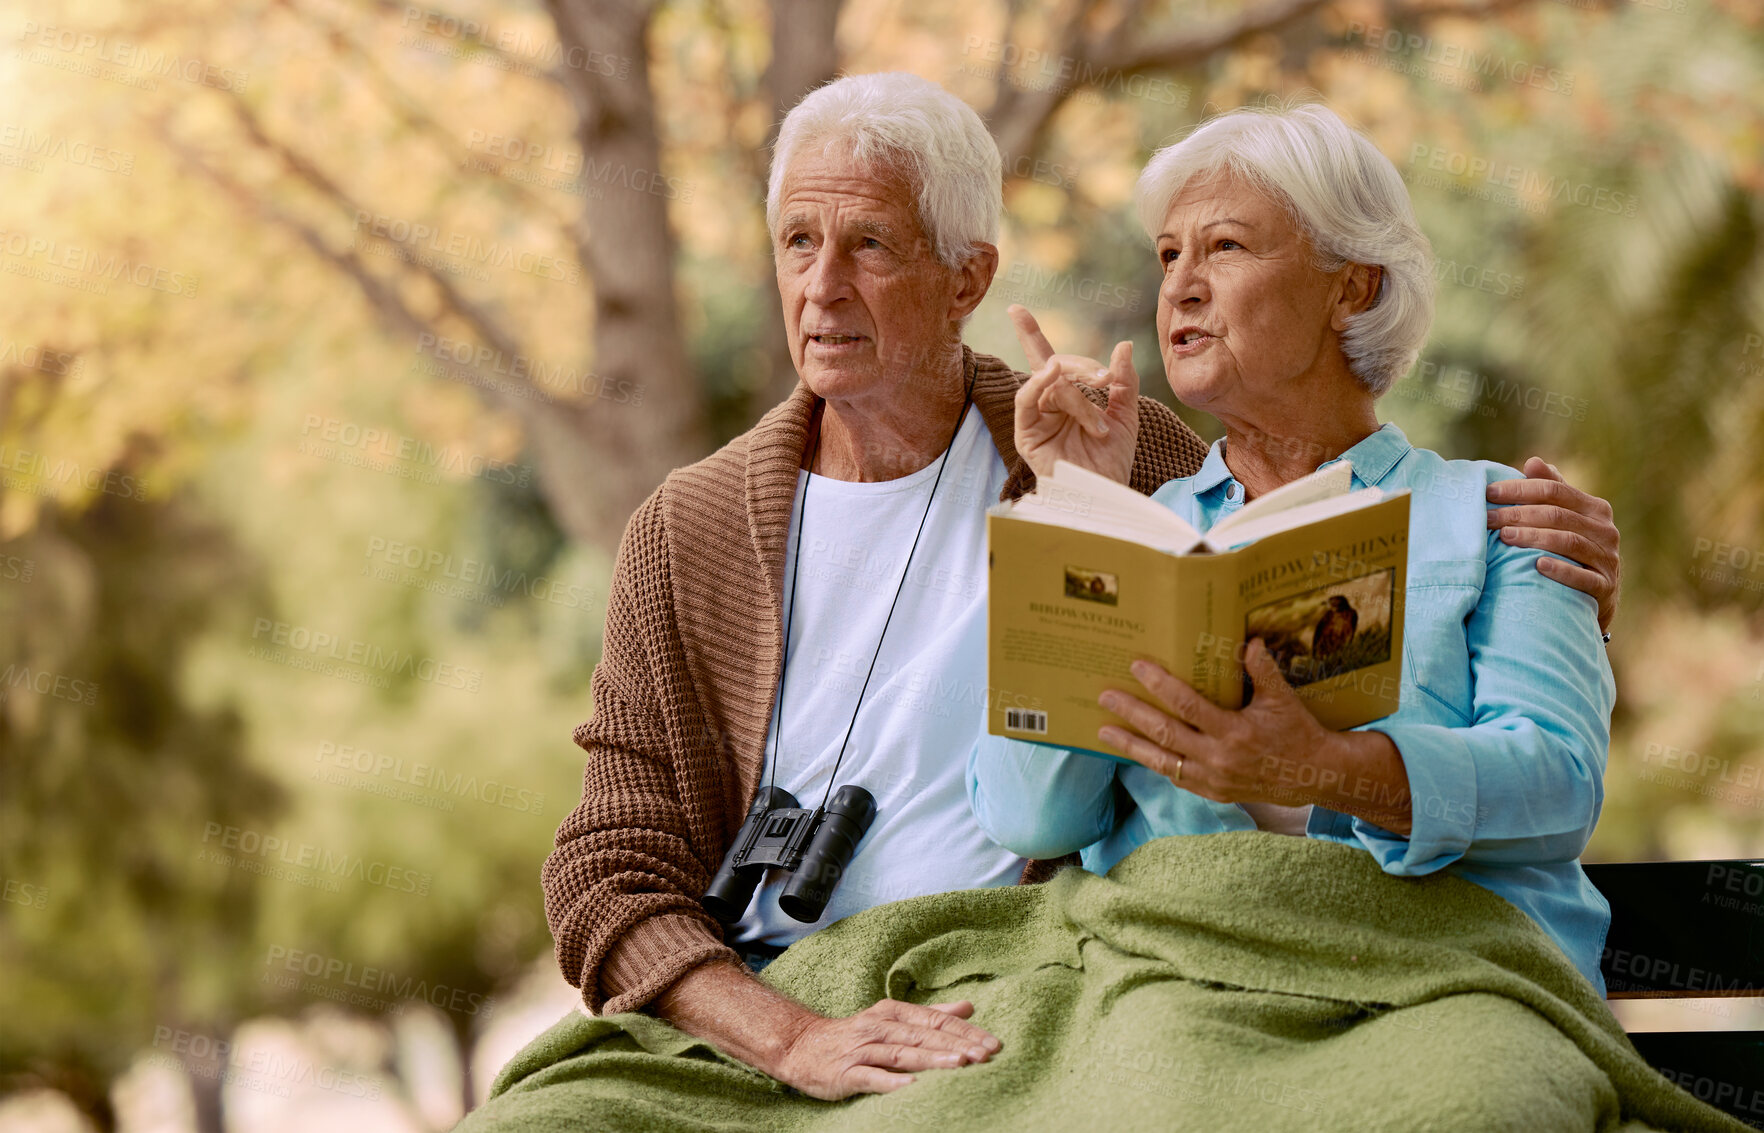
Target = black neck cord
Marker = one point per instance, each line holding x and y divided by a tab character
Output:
796	574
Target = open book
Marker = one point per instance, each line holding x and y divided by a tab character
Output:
1087	575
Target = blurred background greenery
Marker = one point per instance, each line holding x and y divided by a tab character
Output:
339	337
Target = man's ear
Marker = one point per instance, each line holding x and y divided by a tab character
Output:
974	277
1360	284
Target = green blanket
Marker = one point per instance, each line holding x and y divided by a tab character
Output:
1220	982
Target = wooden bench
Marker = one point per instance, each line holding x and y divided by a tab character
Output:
1687	930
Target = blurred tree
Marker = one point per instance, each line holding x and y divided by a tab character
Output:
625	143
109	929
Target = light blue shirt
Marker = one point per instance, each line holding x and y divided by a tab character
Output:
1503	729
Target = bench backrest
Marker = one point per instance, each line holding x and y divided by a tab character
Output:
1683	929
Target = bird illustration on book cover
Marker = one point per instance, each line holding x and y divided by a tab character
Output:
1327	631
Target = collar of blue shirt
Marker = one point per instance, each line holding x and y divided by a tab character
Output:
1372	458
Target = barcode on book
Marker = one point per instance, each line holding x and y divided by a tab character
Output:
1024	720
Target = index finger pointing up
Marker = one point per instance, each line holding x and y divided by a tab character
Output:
1035	344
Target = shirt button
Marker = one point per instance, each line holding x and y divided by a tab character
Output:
1234	492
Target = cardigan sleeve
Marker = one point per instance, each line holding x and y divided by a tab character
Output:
622	885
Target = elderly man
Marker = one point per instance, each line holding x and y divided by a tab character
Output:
806	606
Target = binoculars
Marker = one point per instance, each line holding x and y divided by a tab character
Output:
813	847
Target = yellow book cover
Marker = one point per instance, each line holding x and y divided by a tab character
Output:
1318	574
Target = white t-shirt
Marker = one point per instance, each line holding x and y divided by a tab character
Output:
1279	819
921	713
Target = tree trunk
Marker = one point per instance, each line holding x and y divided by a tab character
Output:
604	457
462	1041
82	1084
805	55
205	1092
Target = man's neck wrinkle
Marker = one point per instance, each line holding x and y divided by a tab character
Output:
895	438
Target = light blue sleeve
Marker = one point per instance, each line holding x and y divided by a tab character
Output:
1524	781
1037	800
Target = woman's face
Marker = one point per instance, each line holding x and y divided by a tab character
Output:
1244	315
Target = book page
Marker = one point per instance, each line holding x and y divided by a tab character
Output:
1325	483
1303	515
1083	500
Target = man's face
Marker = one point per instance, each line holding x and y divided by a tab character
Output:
867	304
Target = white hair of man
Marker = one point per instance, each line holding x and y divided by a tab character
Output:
1345	196
912	127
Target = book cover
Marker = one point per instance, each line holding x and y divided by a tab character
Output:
1071	609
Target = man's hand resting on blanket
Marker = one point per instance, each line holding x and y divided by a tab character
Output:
1270	751
869	1053
872	1052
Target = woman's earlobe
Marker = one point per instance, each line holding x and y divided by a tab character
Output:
1364	288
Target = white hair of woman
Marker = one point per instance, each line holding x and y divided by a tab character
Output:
911	126
1346	197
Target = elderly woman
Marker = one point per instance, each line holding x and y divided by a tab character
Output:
1297	287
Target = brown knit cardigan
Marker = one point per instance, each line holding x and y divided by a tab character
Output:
683	692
